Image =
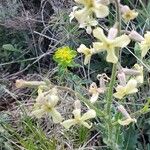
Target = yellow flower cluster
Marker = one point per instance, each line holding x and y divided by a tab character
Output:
64	56
46	105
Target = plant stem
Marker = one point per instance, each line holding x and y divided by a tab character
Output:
109	97
114	68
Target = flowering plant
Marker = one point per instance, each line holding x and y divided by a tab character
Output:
64	56
116	89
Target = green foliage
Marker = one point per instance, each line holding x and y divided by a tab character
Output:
10	47
4	135
31	136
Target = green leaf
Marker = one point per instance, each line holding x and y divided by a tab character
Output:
10	47
137	50
131	136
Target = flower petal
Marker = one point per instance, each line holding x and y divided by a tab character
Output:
144	48
121	41
89	30
131	86
86	124
112	33
88	115
81	15
98	46
87	52
111	56
68	123
52	100
72	13
104	2
83	2
38	113
94	97
101	11
139	78
121	91
126	122
87	59
99	34
77	114
57	118
83	49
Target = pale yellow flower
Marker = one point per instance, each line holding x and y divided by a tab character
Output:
78	119
85	15
90	22
73	13
129	88
92	6
127	13
139	78
95	91
88	52
145	44
128	119
45	104
109	45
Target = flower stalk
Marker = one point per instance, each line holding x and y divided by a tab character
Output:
109	96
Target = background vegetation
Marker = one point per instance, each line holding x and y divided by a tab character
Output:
30	32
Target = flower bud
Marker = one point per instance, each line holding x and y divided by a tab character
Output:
122	78
128	119
22	83
77	104
112	33
136	36
123	111
131	71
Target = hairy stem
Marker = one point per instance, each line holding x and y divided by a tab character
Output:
109	97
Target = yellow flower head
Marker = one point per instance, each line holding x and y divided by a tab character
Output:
129	88
45	104
109	45
80	120
64	56
145	44
88	52
128	14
